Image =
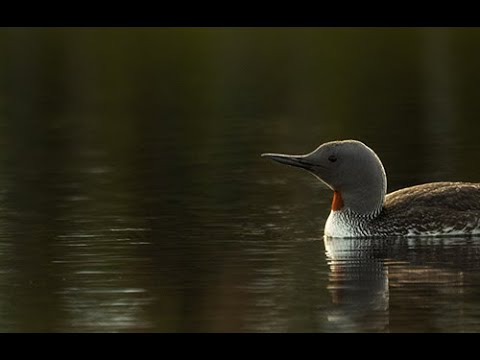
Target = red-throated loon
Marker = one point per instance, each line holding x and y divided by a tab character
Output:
361	206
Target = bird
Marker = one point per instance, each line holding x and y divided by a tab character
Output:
361	206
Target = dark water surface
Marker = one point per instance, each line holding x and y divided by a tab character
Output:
133	196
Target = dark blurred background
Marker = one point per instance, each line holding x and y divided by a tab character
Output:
130	176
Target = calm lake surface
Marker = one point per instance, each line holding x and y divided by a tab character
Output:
133	197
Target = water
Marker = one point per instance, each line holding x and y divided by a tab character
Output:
133	197
404	285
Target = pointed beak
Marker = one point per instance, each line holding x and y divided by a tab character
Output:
292	160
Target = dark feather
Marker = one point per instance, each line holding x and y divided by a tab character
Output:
432	206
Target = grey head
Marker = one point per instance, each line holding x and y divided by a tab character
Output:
348	167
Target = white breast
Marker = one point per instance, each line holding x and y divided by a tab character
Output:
344	224
337	225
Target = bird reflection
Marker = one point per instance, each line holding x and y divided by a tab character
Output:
374	282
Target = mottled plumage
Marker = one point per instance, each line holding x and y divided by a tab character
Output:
432	209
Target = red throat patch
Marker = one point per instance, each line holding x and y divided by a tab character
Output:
337	202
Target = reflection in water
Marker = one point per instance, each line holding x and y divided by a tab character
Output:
400	284
100	294
358	283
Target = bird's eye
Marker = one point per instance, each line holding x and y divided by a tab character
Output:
332	158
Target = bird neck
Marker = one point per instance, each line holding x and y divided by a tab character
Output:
365	203
365	197
337	202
